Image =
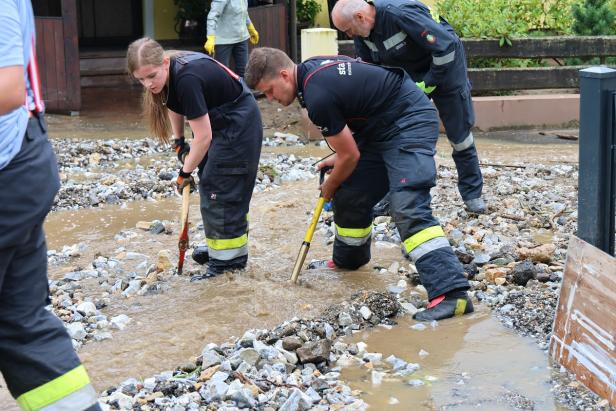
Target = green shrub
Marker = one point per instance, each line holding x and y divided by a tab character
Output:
307	10
593	18
503	19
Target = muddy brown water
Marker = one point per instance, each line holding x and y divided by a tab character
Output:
171	328
466	364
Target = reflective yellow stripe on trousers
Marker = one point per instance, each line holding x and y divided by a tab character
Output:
353	236
425	241
229	248
71	391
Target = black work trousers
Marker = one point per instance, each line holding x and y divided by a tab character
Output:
37	359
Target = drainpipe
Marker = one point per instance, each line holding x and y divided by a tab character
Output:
293	28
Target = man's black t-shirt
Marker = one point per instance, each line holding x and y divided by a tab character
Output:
200	85
338	91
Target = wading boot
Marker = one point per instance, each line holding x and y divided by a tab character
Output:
217	267
444	306
476	205
201	254
321	265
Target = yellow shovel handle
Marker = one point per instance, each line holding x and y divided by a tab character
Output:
315	219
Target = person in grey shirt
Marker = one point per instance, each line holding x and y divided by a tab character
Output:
228	30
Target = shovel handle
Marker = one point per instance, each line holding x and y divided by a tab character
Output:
324	171
303	251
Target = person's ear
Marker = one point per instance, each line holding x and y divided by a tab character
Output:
166	61
358	16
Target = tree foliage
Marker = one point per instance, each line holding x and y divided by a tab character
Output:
593	18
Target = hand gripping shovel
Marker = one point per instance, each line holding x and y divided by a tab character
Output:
301	257
183	240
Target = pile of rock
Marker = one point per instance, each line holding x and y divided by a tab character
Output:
294	366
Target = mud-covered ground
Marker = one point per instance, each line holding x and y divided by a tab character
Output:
514	257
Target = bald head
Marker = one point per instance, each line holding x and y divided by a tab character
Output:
354	17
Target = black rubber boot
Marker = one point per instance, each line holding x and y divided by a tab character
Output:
476	205
382	207
446	307
201	254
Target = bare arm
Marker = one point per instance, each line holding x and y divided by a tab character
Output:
202	129
177	123
12	88
347	156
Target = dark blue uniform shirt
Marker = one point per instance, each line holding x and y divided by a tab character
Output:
200	85
339	91
409	35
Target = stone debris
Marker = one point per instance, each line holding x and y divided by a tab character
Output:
290	367
513	257
94	173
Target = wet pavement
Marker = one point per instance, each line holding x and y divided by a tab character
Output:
493	365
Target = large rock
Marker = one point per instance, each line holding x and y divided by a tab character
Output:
523	272
297	401
314	352
542	254
292	343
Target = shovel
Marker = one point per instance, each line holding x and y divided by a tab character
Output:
301	257
183	240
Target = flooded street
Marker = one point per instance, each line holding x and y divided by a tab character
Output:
467	364
472	363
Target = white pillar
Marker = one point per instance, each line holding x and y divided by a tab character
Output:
319	42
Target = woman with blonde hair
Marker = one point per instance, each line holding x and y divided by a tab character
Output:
227	135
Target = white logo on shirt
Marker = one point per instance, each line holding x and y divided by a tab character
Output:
344	69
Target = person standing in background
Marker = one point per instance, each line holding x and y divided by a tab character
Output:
228	30
410	35
37	359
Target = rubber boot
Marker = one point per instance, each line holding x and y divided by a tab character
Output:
476	205
446	306
217	267
382	207
201	254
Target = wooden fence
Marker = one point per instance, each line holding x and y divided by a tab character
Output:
490	79
272	23
58	57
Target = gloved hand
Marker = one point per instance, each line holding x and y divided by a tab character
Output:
209	45
183	180
424	88
254	34
181	147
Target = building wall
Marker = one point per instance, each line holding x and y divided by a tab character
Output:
159	19
163	19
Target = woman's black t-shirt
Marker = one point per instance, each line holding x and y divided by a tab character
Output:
199	86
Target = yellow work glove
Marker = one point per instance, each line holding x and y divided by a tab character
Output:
254	34
424	88
209	45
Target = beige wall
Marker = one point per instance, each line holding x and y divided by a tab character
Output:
322	19
164	20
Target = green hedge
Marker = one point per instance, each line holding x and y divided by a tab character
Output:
504	19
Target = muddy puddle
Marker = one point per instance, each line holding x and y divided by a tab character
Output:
469	364
172	327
